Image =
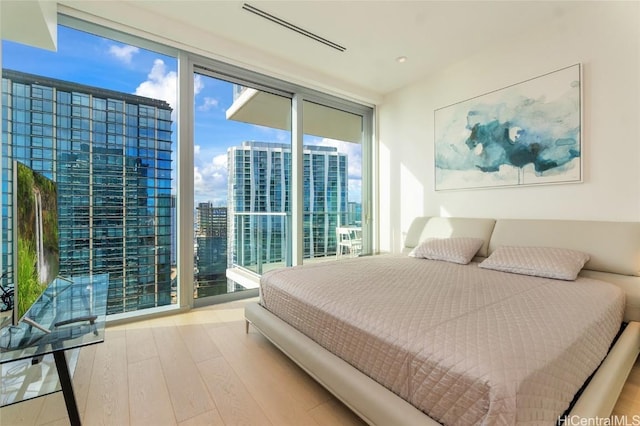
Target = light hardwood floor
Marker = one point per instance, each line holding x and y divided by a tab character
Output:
200	368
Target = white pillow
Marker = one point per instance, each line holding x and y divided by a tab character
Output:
548	262
457	250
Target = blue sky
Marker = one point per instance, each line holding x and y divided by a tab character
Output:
96	61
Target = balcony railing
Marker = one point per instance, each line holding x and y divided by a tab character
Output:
262	241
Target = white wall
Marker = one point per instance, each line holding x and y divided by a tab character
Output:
604	37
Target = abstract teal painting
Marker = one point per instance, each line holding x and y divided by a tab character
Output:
525	134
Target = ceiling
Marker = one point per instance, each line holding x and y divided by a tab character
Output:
430	34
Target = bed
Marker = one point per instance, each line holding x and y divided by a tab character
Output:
335	322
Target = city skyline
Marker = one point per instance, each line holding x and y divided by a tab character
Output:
83	58
101	118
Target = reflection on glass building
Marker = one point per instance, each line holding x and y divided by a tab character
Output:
259	202
110	154
210	250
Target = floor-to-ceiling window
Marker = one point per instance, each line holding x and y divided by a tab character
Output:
245	154
100	117
332	183
242	168
97	117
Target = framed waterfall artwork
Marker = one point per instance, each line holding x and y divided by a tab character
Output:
525	134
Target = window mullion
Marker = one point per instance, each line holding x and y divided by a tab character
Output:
297	181
185	199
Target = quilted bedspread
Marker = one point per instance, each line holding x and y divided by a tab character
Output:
463	344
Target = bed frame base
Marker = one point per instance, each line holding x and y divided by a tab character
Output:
376	405
371	401
601	395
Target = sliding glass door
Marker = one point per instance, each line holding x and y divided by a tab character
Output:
270	173
264	193
245	197
242	170
332	220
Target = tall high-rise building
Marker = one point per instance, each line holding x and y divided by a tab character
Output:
211	221
259	202
110	154
210	250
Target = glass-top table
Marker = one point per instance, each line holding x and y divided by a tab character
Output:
69	314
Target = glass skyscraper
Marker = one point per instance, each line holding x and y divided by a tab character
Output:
259	202
211	250
110	155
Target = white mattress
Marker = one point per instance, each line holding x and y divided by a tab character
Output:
463	344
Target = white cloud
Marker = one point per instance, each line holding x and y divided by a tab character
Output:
208	104
220	161
160	84
198	84
123	53
210	181
163	84
197	177
196	150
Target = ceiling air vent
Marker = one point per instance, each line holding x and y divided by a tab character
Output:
292	27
